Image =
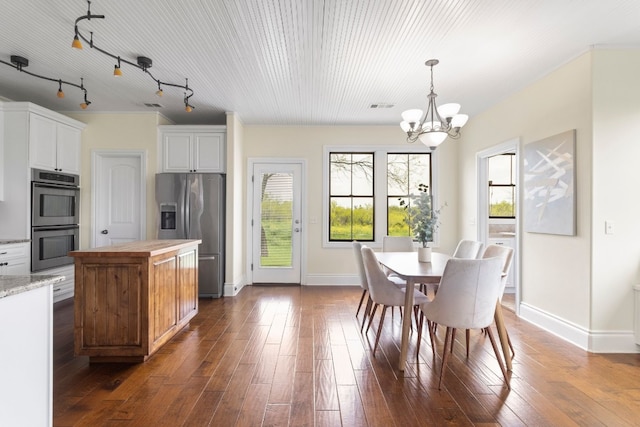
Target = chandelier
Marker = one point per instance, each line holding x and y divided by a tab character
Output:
437	123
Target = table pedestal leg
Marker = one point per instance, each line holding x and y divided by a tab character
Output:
406	324
502	334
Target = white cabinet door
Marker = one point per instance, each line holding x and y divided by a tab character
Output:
68	149
176	153
53	146
42	142
193	149
208	150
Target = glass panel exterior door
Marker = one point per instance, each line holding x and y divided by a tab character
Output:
276	223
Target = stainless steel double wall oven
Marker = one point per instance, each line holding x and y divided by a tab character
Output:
55	211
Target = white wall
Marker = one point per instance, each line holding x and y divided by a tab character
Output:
578	287
236	209
556	273
113	131
308	143
616	257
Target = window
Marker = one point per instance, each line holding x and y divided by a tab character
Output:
405	171
502	187
365	190
351	188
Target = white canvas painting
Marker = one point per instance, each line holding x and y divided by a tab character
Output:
549	185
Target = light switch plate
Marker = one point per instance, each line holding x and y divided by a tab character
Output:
608	227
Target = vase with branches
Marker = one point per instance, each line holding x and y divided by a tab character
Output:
422	219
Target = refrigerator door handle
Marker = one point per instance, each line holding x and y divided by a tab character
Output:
187	208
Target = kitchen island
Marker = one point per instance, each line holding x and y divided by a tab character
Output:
131	298
26	315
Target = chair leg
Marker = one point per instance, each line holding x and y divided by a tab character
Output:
367	312
453	338
364	293
445	354
375	346
495	350
373	312
433	345
467	339
513	352
420	323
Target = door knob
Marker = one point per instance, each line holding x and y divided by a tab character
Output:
105	232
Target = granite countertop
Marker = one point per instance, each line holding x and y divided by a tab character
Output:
12	285
4	241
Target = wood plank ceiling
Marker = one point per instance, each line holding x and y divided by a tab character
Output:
302	62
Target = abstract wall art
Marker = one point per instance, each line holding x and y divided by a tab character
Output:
549	185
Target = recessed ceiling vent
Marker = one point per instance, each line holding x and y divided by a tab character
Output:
150	105
382	105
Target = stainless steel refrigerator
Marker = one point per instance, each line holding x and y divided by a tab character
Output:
191	206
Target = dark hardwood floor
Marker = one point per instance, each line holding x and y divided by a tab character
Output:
278	355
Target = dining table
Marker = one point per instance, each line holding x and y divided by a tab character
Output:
407	266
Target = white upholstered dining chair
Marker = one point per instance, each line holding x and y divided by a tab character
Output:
468	249
466	299
384	291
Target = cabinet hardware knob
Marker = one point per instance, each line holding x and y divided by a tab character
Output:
104	232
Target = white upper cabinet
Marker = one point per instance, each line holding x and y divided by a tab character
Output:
53	146
193	149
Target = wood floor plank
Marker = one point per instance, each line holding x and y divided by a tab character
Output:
302	412
276	415
256	397
294	355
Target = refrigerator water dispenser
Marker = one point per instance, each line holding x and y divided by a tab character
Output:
168	216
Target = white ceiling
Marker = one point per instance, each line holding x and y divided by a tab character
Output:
302	62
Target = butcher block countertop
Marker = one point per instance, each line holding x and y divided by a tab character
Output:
142	248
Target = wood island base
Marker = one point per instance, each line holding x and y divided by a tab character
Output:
130	299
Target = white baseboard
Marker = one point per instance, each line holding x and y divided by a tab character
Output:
332	280
232	289
593	341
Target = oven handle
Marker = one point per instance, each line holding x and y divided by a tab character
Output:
61	187
56	228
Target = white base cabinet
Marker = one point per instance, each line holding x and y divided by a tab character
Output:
193	148
65	289
14	259
26	392
509	242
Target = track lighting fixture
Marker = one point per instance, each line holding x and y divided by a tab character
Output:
20	63
60	92
142	62
117	72
76	44
86	102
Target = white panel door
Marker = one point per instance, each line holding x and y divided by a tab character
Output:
276	224
118	199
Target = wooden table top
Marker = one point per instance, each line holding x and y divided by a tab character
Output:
141	248
407	266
